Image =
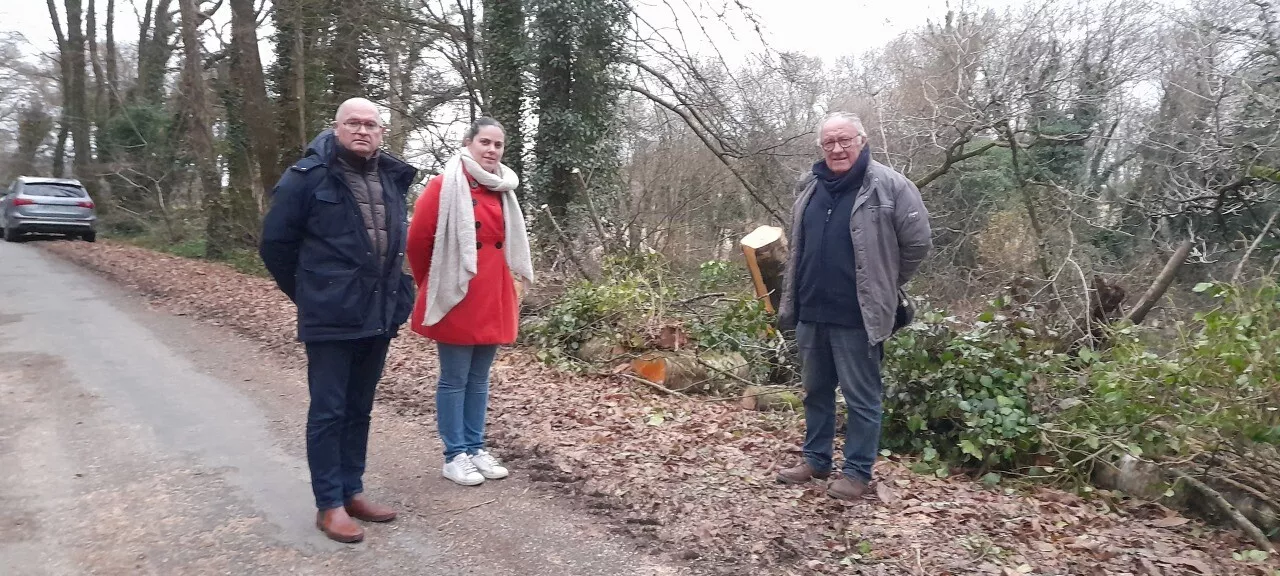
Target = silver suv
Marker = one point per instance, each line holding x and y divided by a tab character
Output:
47	206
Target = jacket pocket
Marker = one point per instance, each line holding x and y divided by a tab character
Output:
331	216
404	299
334	298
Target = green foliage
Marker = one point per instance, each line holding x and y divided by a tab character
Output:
715	274
743	325
999	394
964	397
632	291
139	131
1222	376
1059	156
638	294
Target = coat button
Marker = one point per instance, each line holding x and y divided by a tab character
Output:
498	245
477	225
479	245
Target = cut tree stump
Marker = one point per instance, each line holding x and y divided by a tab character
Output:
687	372
598	350
766	252
770	398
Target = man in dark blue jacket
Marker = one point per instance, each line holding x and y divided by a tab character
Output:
334	243
859	232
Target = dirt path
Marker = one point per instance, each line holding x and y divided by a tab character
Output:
139	442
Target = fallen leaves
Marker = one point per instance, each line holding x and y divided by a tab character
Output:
1170	521
696	478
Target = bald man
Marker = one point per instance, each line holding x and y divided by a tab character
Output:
334	243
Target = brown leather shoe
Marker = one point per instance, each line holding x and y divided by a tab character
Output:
337	525
845	488
801	474
361	508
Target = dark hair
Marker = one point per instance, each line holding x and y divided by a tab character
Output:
481	122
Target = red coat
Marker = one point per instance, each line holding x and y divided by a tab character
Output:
489	313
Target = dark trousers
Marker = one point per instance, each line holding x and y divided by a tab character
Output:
342	376
832	356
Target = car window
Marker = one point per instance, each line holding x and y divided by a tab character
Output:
54	191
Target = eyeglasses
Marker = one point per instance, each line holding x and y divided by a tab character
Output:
846	143
356	125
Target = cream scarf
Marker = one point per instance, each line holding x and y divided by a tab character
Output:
453	260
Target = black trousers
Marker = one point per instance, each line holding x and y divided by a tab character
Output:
342	376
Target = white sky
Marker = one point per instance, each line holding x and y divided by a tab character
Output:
827	28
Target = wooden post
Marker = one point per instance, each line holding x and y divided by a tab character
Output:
766	252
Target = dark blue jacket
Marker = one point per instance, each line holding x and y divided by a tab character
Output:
827	278
316	247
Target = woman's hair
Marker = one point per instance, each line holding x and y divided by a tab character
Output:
481	122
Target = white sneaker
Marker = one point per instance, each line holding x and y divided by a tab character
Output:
489	466
462	471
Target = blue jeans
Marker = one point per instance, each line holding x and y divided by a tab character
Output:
342	376
462	397
831	355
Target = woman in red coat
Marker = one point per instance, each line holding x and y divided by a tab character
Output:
467	243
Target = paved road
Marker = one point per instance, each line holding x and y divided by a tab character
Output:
137	442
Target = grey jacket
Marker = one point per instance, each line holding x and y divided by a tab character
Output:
889	227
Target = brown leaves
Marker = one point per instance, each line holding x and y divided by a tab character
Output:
1170	521
696	477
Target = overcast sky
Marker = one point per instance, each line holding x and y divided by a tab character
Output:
827	28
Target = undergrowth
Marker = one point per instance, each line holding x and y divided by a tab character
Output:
1003	394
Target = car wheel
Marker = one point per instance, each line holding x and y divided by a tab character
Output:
11	235
90	236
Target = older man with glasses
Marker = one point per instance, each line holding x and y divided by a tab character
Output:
859	232
334	242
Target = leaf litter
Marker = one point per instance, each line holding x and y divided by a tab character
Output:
694	480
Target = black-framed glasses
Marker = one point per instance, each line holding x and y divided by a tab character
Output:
846	143
356	125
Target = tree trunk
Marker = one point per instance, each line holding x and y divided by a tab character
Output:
249	81
98	113
60	148
470	68
34	124
1161	283
397	135
711	372
771	398
289	78
135	93
344	55
64	79
95	60
75	99
200	134
154	56
504	46
555	106
110	60
241	206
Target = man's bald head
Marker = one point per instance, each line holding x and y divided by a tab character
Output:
358	126
351	104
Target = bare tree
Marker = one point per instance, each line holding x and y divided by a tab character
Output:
199	124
